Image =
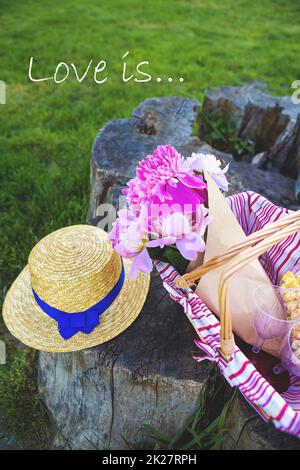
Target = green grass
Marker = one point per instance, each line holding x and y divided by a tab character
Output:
22	412
47	130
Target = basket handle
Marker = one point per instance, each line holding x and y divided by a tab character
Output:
239	261
189	278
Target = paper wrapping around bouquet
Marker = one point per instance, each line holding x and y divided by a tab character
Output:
223	232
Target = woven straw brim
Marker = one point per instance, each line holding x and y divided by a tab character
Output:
27	322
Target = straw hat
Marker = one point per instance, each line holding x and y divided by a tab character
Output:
70	271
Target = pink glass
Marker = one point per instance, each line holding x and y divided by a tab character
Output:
270	319
289	360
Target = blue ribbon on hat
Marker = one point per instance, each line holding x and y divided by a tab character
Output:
69	324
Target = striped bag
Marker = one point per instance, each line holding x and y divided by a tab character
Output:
253	212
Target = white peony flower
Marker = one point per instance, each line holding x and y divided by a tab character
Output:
208	162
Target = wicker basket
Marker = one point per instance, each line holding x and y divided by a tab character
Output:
279	243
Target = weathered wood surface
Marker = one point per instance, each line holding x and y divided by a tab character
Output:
106	394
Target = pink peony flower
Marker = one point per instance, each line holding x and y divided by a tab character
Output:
208	162
184	231
164	178
166	200
129	239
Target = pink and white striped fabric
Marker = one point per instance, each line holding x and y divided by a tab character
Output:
253	212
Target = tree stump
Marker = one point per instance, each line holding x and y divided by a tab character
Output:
105	395
270	124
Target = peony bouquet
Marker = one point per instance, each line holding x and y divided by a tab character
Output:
168	209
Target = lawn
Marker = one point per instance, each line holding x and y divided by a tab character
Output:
47	129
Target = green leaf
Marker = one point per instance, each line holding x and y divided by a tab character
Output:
170	254
157	434
176	259
156	253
